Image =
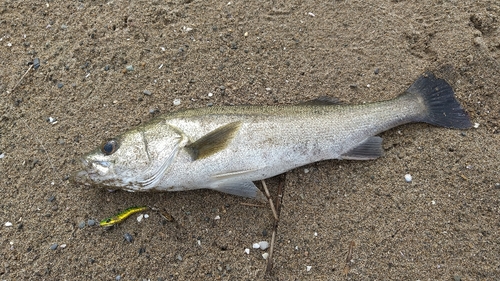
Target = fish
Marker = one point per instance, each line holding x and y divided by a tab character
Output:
227	148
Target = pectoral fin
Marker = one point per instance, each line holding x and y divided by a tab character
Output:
244	189
371	148
214	141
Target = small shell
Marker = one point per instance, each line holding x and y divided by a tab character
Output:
263	245
408	178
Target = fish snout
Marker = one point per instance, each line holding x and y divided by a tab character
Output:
81	177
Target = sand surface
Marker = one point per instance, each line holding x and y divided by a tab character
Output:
445	225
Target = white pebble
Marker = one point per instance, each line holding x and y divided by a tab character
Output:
8	223
265	255
2	156
306	171
146	216
311	14
263	245
433	202
139	218
210	94
308	268
177	102
476	125
247	251
217	217
255	245
408	178
315	234
62	246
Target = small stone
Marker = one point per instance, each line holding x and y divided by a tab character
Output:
210	94
36	63
2	155
60	85
147	93
8	224
265	255
118	278
353	86
140	217
81	225
217	217
408	178
91	222
247	251
54	246
62	246
308	268
255	245
64	27
497	185
52	120
106	68
177	102
128	237
129	68
264	232
179	257
263	245
457	278
476	125
376	71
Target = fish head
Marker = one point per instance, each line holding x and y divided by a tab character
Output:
134	161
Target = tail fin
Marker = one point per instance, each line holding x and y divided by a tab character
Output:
442	107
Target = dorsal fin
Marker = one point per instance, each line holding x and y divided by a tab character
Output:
323	100
214	141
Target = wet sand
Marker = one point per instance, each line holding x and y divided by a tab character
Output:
445	225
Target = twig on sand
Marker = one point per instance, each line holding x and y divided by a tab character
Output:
29	68
348	259
276	211
268	195
252	205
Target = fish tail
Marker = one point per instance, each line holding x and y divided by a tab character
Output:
442	108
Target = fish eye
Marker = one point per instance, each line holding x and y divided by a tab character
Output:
110	147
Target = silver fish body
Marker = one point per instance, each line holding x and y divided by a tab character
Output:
227	148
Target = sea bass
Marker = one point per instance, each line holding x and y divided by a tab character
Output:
227	148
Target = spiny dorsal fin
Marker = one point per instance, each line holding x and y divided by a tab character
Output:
323	100
214	141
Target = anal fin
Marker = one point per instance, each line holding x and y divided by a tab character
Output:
369	149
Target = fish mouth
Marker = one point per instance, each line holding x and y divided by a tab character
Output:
84	176
81	177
